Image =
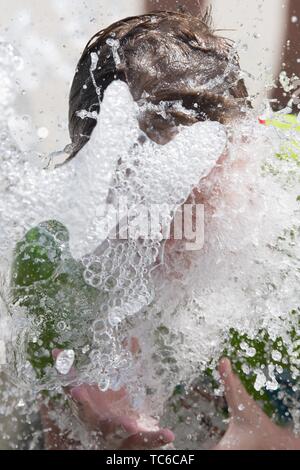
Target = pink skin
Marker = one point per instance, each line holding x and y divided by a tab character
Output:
110	414
117	424
249	428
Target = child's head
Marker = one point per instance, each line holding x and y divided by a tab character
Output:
165	58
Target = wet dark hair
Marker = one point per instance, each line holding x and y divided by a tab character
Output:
162	56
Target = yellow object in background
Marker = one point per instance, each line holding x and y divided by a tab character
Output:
285	122
290	148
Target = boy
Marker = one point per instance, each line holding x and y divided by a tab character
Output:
163	57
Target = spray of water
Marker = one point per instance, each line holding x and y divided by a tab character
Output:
182	305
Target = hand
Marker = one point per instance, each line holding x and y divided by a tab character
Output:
249	427
119	426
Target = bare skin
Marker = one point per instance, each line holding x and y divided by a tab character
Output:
249	427
110	416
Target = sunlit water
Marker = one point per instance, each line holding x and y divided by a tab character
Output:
245	277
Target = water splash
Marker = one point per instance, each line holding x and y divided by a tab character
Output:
183	307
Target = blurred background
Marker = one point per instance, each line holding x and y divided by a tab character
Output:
51	35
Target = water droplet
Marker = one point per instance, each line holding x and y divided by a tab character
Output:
188	420
61	325
276	355
65	361
260	381
245	369
99	326
42	132
251	352
103	383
